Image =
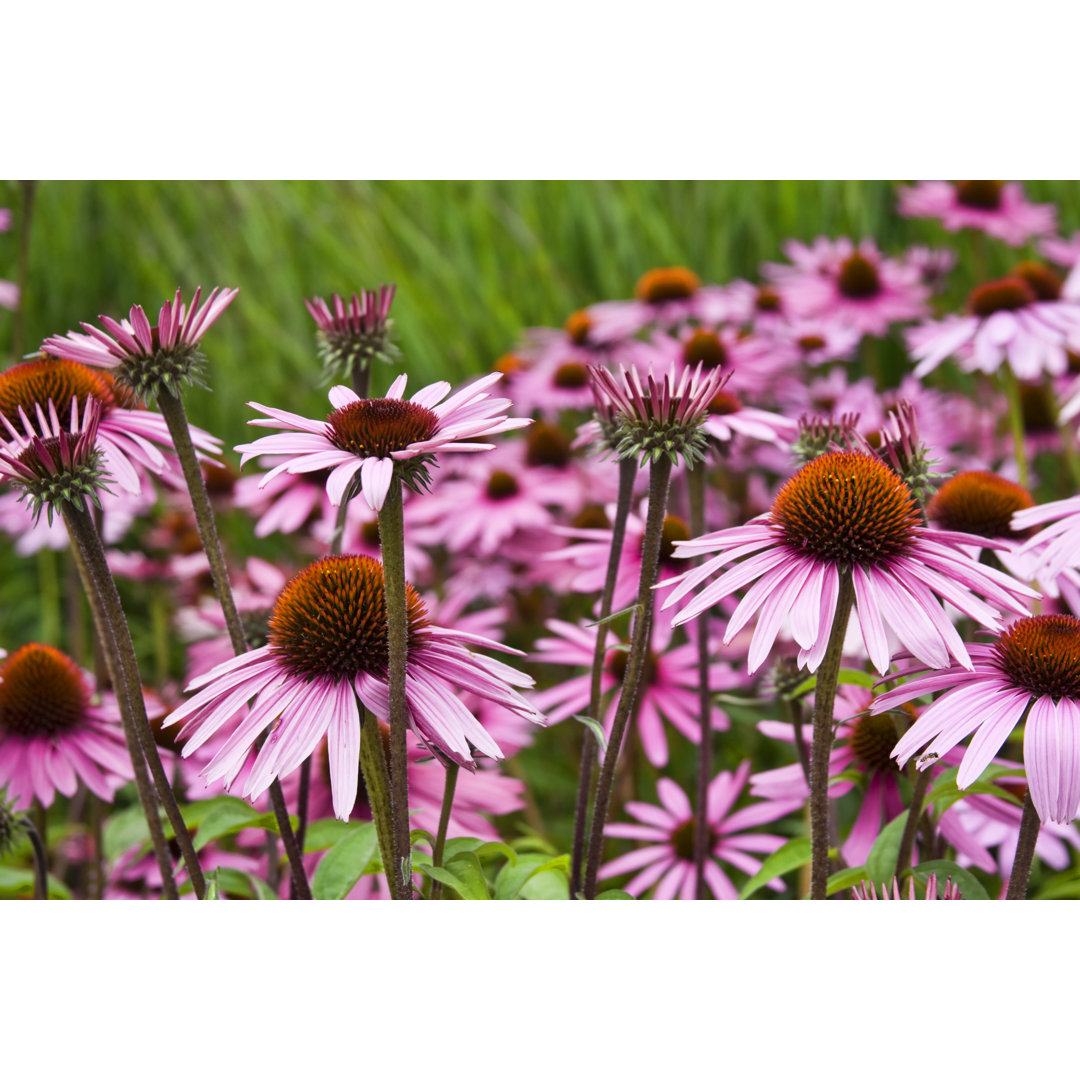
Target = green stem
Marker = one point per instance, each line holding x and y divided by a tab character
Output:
444	822
392	540
361	378
911	826
659	476
627	474
1025	851
828	675
172	408
115	638
41	871
49	590
1011	388
696	482
29	189
377	782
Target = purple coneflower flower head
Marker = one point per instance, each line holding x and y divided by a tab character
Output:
326	655
665	296
351	335
125	436
663	417
847	513
1028	320
1032	671
868	891
54	462
372	436
728	417
1057	547
52	735
668	830
148	359
993	206
854	284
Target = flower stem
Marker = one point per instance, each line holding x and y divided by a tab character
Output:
696	481
627	475
41	871
172	408
1025	851
1016	422
49	590
659	476
392	539
795	714
444	822
377	782
115	638
828	675
361	378
911	826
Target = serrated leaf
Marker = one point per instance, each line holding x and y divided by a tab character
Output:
845	879
881	862
969	885
597	730
791	856
344	864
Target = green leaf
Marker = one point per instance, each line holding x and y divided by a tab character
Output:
344	864
125	830
421	836
597	730
513	876
325	833
547	885
881	862
613	616
614	894
845	879
211	885
18	884
969	885
848	676
230	816
1063	886
793	854
463	874
944	793
260	890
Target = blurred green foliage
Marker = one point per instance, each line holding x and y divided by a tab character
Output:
475	262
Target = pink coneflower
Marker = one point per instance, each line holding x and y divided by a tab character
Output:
662	416
1057	547
857	285
9	291
669	687
993	206
814	342
669	831
369	435
847	512
665	296
933	265
125	436
868	891
52	735
1063	252
729	417
353	334
1026	320
147	358
328	649
1032	670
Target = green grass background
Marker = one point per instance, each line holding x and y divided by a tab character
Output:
474	262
